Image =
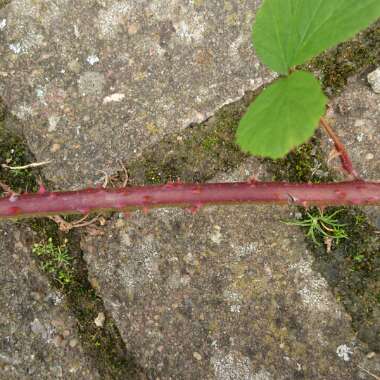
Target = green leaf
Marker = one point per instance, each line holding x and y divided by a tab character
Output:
283	116
290	32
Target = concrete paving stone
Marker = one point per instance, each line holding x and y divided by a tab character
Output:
94	81
228	293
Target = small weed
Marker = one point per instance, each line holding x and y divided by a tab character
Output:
359	258
56	260
359	219
322	225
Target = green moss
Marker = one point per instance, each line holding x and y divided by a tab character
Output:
155	173
347	59
13	152
304	164
70	276
210	143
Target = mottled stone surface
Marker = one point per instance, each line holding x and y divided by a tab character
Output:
228	293
98	80
374	80
38	339
355	116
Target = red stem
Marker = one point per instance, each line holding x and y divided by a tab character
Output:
193	196
339	146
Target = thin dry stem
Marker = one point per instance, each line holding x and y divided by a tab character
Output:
68	226
28	166
126	176
341	150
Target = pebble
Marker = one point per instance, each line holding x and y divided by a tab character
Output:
374	80
55	148
57	340
92	59
3	24
37	327
99	320
73	342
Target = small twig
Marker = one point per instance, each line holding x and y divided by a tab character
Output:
126	178
32	165
85	224
104	178
67	226
369	373
344	157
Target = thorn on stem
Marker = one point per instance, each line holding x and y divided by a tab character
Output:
169	185
14	210
291	199
148	198
196	190
41	189
13	198
194	208
84	211
252	180
126	215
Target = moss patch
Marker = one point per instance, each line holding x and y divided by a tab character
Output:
347	59
304	164
13	152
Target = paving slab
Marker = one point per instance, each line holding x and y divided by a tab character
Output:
228	293
95	82
38	339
